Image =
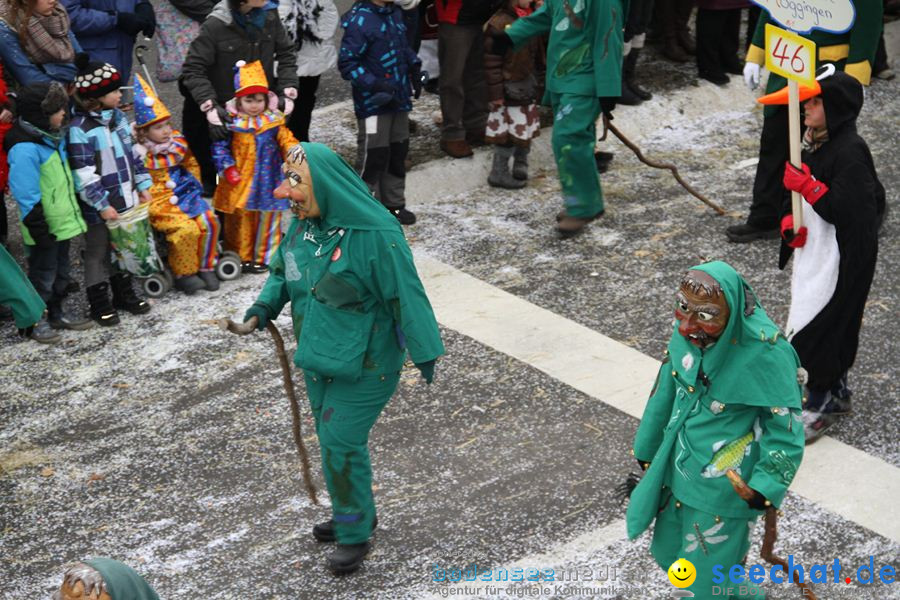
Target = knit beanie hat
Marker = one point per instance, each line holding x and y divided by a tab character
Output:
37	101
95	79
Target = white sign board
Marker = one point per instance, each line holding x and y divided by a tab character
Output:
803	16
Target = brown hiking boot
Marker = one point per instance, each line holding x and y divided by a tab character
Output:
456	148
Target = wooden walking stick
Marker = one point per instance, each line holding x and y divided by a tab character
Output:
608	126
248	327
771	531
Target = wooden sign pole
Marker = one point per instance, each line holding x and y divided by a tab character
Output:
794	133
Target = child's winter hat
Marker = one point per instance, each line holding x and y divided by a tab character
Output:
36	102
95	79
148	108
249	78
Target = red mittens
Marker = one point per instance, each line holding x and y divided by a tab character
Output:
794	240
802	181
232	176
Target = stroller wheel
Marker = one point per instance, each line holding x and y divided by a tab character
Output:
155	286
228	267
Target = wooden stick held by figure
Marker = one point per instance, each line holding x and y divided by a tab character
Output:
771	531
248	327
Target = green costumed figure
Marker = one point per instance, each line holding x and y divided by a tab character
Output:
584	75
727	397
17	293
103	579
358	307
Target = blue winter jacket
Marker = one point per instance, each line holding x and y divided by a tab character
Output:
25	72
375	49
104	167
94	24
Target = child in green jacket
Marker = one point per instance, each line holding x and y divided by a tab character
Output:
41	183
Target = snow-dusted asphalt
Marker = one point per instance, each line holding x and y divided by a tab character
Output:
165	443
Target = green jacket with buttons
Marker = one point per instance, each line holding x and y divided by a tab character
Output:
357	303
735	405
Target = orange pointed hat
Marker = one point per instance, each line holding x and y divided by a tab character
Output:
249	78
148	108
806	91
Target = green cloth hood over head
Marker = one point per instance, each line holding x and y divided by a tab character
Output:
343	198
741	364
122	582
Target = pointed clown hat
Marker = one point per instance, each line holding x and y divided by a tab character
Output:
249	78
148	108
806	91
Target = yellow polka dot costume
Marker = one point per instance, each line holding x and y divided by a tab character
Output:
256	150
178	209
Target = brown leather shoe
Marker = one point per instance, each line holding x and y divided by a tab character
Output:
568	226
456	148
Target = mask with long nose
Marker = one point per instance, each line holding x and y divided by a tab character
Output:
297	185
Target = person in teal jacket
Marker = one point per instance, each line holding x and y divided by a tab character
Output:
18	295
727	397
584	75
358	307
41	183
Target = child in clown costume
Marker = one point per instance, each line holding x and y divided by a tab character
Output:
249	165
584	76
727	397
178	209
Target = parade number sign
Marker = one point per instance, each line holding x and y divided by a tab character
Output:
803	16
789	55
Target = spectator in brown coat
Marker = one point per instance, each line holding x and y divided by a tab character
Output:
515	87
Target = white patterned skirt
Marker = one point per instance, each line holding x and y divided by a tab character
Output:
513	124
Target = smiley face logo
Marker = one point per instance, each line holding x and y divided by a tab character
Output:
682	573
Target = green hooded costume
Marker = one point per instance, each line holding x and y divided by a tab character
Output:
735	405
358	307
122	582
584	64
17	293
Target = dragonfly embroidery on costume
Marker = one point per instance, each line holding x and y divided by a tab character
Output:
707	537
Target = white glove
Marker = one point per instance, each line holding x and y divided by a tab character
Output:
406	4
751	75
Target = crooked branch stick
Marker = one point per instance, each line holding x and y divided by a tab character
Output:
767	552
249	327
659	165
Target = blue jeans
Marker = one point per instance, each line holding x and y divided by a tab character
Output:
48	270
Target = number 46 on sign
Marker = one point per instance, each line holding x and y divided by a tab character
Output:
789	55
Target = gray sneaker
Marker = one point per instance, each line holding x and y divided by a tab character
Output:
42	333
64	320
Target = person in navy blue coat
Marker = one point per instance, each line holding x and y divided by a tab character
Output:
385	73
106	29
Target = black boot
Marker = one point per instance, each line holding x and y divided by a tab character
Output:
628	75
102	310
347	558
602	159
124	296
629	97
324	532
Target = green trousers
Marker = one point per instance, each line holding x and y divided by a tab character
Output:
685	532
574	136
344	413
